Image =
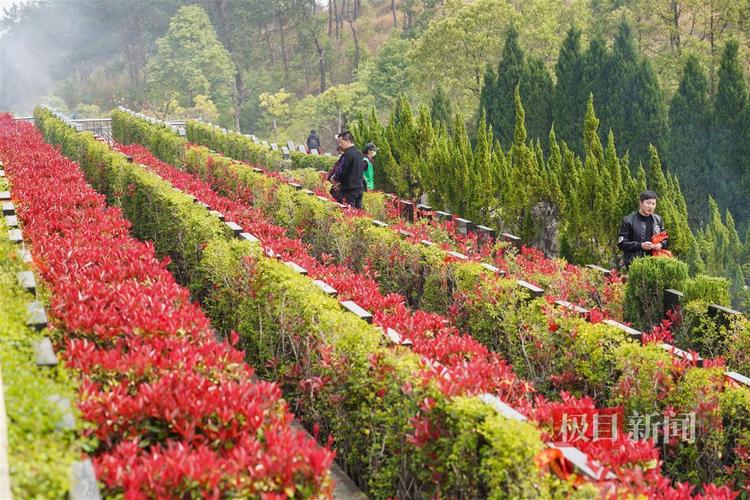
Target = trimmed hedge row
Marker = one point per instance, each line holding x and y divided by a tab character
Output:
231	144
335	368
313	162
165	143
570	354
40	451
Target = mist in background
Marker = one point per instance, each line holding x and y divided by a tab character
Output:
91	52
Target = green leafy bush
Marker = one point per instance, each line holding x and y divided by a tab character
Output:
711	289
315	162
648	277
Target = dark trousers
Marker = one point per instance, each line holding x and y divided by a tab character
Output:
353	198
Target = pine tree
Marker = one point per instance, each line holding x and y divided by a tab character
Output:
570	93
689	126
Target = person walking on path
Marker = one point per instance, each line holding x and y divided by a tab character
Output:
369	152
351	176
639	227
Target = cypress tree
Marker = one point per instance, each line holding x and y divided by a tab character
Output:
424	141
616	208
676	225
694	260
715	241
646	117
537	90
509	74
734	245
619	72
595	63
682	228
634	107
689	129
482	178
727	131
570	94
439	159
441	108
461	161
487	101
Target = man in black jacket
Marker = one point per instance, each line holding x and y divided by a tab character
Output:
351	174
313	142
637	229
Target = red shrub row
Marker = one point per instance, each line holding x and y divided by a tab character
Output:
174	412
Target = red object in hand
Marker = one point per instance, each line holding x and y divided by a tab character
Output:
657	239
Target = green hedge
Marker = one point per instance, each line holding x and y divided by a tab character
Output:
315	162
232	144
648	277
177	226
39	453
295	334
363	404
711	289
164	143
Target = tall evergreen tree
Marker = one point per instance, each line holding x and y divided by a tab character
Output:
633	107
482	179
441	108
689	129
509	74
728	132
537	90
668	205
570	94
595	62
646	117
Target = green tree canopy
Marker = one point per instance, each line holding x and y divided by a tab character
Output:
189	62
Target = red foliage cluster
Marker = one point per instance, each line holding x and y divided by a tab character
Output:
175	412
458	363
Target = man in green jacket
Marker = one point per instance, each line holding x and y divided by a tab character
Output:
369	174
